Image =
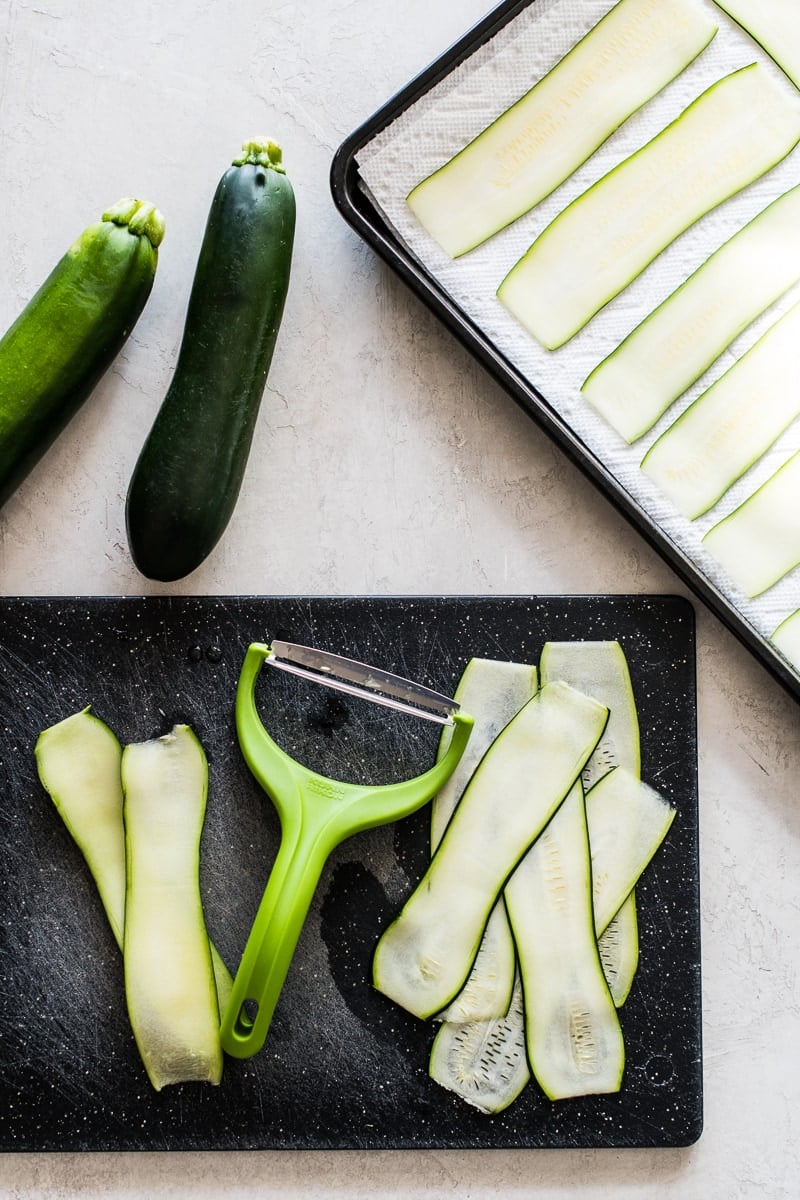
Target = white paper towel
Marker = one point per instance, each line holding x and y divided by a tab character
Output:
458	108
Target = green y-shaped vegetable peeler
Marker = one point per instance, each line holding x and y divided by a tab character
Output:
316	814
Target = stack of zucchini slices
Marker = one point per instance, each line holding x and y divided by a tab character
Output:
521	939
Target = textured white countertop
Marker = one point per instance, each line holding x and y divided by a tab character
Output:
385	462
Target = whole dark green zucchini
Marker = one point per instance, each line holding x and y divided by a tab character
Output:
186	482
71	330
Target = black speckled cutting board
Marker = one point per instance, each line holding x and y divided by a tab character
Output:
342	1066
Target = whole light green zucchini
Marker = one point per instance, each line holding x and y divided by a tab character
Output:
187	480
70	332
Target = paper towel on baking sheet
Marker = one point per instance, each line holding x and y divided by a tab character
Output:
458	108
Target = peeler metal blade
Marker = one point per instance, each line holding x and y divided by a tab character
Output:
360	679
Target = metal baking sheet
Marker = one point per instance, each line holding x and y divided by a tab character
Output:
355	203
342	1066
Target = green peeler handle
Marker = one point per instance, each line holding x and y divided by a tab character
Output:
316	814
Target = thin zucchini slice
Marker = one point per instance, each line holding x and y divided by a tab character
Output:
484	1062
572	1031
424	957
730	135
629	56
759	542
79	762
627	822
600	669
664	355
786	638
775	25
169	980
728	428
492	692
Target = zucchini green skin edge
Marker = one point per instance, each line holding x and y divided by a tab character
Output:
786	638
759	542
775	25
186	482
70	332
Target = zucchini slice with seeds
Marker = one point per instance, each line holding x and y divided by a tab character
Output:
627	821
730	135
423	958
663	356
484	1062
572	1031
624	60
618	946
732	424
759	542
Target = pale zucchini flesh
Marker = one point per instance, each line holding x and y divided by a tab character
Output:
572	1031
673	347
732	424
78	760
627	822
759	542
424	957
786	638
733	133
624	60
79	763
618	946
169	980
775	25
484	1062
493	692
600	669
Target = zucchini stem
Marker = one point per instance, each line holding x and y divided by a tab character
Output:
142	219
261	152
